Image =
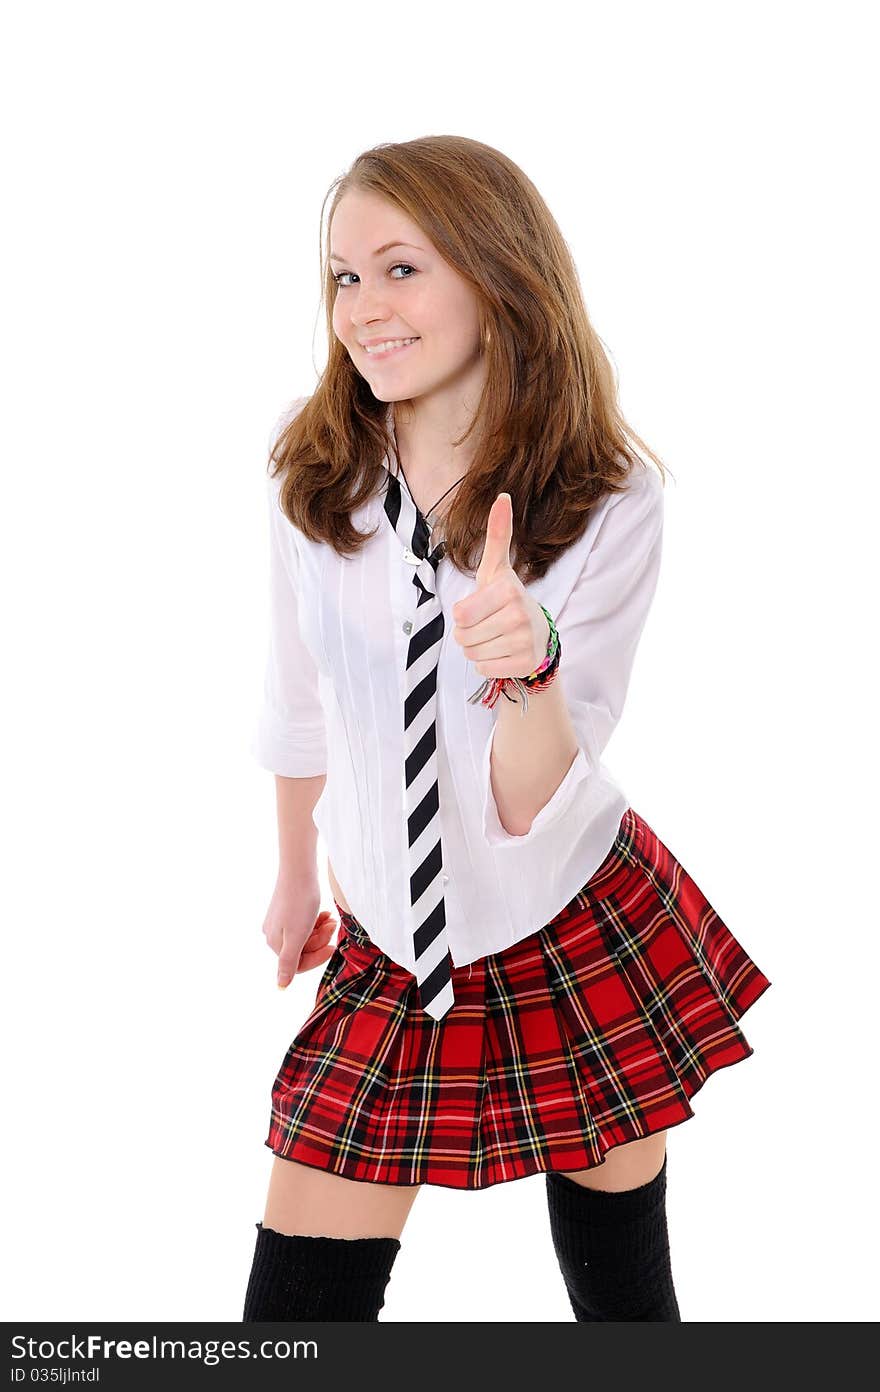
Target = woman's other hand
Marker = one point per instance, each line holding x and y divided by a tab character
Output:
296	931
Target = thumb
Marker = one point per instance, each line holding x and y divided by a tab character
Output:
288	960
499	535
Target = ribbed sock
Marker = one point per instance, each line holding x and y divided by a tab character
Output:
613	1249
298	1277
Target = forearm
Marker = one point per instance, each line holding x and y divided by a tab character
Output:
531	754
295	800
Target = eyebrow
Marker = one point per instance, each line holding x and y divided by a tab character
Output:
379	250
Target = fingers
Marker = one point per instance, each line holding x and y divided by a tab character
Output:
325	927
294	958
308	960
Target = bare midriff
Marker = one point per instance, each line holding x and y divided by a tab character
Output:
337	892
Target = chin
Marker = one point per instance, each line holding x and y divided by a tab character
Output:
388	395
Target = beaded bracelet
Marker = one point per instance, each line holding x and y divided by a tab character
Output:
493	687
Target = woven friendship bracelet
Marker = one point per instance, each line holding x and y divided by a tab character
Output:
493	687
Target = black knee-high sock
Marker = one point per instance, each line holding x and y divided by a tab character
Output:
613	1249
298	1277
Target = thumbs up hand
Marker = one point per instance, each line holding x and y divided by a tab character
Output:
500	626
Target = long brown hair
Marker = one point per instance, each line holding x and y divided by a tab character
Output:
554	435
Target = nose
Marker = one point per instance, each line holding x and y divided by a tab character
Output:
367	316
368	308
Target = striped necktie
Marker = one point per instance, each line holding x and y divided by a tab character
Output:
433	962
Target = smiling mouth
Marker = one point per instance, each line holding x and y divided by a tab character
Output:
389	352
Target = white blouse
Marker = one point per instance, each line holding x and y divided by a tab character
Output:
333	704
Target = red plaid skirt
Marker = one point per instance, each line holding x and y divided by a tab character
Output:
593	1031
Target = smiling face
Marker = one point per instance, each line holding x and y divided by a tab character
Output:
401	292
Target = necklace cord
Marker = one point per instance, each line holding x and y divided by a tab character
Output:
427	514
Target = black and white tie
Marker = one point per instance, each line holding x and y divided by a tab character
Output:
433	962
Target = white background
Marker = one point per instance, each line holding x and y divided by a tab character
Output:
164	171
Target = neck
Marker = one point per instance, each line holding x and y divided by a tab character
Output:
435	483
427	442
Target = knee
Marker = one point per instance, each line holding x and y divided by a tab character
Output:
613	1249
301	1277
625	1166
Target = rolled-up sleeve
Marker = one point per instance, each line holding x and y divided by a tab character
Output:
289	736
599	625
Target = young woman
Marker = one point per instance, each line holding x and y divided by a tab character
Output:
464	549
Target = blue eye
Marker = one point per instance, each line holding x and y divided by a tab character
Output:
399	265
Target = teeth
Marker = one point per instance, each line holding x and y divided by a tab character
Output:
391	343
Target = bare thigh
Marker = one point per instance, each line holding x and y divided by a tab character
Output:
304	1199
626	1166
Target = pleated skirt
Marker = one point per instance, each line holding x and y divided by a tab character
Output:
595	1030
